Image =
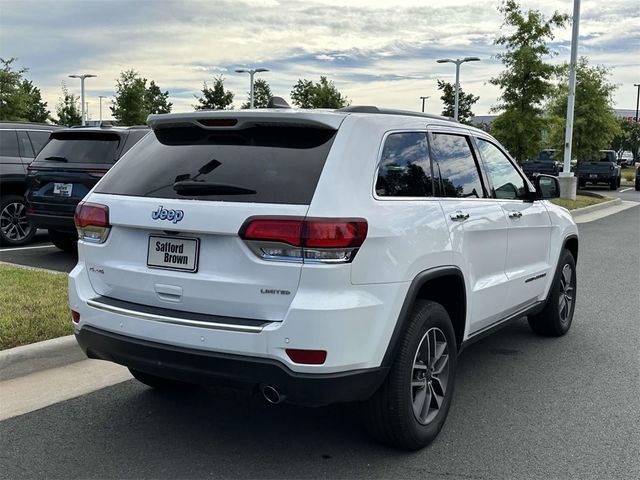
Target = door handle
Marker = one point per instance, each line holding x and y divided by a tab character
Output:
515	214
458	215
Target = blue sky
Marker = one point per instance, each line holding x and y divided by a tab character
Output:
376	52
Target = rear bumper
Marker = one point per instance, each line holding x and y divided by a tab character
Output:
205	367
63	223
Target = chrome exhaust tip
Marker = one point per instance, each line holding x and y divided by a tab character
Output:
272	395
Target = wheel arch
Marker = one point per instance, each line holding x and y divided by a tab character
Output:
571	243
444	285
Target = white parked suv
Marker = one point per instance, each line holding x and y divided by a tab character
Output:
319	257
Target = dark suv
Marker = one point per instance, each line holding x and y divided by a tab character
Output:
19	143
66	169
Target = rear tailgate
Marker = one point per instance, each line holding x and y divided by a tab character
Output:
180	249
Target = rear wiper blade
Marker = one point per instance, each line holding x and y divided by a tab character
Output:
191	187
57	159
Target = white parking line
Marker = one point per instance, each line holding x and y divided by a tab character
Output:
624	190
25	248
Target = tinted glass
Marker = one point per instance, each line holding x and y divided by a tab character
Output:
271	164
38	140
404	169
455	166
133	138
9	144
26	150
80	147
506	182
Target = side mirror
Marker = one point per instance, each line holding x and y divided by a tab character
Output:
547	186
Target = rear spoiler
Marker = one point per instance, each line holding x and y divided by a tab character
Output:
237	119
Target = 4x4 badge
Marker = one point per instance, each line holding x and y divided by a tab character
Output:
165	214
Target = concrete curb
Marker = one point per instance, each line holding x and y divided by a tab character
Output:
57	352
593	208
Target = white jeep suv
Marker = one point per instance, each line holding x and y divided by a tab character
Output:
319	257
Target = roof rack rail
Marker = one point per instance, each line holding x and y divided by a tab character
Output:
391	111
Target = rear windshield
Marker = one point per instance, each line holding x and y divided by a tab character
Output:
261	164
80	147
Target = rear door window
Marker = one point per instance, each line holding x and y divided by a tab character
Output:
9	144
38	139
261	164
455	166
80	147
405	169
26	150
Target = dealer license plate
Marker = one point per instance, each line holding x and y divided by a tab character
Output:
593	175
63	189
173	253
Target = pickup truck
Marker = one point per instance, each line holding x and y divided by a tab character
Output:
546	163
605	170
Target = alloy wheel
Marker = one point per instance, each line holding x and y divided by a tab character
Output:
14	224
565	299
430	375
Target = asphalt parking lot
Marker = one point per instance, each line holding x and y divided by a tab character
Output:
524	407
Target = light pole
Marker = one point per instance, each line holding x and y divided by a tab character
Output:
637	85
458	62
423	99
101	97
251	73
82	77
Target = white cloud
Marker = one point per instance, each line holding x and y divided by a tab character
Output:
376	52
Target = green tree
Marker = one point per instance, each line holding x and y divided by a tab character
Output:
130	105
594	124
20	100
216	97
628	137
68	108
323	94
261	94
465	102
135	101
156	100
526	80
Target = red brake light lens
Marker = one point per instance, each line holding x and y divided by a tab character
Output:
307	357
338	233
92	222
93	214
273	229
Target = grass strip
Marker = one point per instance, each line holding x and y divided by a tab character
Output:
580	201
33	306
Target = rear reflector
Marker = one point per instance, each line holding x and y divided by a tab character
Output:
75	316
307	357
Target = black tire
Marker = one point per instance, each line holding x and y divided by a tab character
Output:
613	183
582	184
160	383
65	241
15	228
553	320
389	413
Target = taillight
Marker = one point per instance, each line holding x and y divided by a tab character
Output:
92	222
319	240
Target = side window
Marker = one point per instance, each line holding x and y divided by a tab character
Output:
455	166
39	139
506	182
405	170
9	144
26	150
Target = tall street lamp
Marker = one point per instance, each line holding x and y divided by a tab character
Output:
82	77
101	97
637	85
458	62
251	73
423	99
